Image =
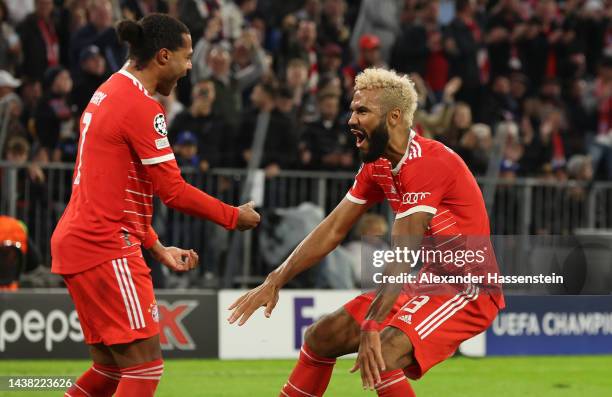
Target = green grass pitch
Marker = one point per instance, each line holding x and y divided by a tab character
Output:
584	376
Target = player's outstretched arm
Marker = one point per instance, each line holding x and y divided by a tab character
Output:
320	242
172	189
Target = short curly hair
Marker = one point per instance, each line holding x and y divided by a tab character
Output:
398	90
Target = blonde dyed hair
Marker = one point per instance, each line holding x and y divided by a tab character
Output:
397	91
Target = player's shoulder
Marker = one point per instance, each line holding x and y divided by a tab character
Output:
427	156
133	95
425	150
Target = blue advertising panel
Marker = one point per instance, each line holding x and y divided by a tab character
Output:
539	325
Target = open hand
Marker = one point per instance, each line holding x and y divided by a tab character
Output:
264	295
369	359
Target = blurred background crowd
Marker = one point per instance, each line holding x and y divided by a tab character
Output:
535	74
545	66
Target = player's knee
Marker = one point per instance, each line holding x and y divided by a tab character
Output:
315	336
333	335
396	349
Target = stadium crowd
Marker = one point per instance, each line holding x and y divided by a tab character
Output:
544	66
539	71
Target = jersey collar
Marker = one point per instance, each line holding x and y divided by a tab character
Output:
398	166
136	82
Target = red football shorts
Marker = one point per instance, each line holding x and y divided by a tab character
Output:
115	301
435	324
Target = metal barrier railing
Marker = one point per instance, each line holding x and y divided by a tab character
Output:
521	206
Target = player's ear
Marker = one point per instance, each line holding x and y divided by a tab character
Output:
394	117
163	56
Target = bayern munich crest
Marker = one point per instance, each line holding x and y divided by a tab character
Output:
153	309
159	123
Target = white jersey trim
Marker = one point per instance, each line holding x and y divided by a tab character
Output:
418	208
157	160
398	166
354	199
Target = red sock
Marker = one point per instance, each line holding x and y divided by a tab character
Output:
140	380
310	376
99	380
394	384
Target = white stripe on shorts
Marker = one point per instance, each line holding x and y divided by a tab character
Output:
125	300
472	294
137	301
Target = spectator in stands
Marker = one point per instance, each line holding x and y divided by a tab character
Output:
8	83
519	85
92	73
284	104
503	25
332	28
10	44
44	40
300	43
234	15
462	43
369	56
368	236
461	122
330	61
539	43
498	104
230	78
311	11
99	31
210	131
581	116
325	144
474	148
13	251
380	19
249	61
296	80
31	187
545	145
601	149
136	9
31	94
418	48
8	97
280	148
195	14
186	150
18	10
439	119
54	114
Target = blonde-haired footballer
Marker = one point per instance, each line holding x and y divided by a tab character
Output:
432	193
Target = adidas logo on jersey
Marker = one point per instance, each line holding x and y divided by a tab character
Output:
406	318
415	150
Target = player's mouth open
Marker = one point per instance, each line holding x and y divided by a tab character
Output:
360	135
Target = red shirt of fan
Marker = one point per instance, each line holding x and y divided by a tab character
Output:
431	178
123	130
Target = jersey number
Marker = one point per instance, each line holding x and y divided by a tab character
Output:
415	303
86	121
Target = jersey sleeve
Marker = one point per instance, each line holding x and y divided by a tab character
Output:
425	182
365	189
147	133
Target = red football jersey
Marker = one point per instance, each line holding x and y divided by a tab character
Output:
431	178
124	158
